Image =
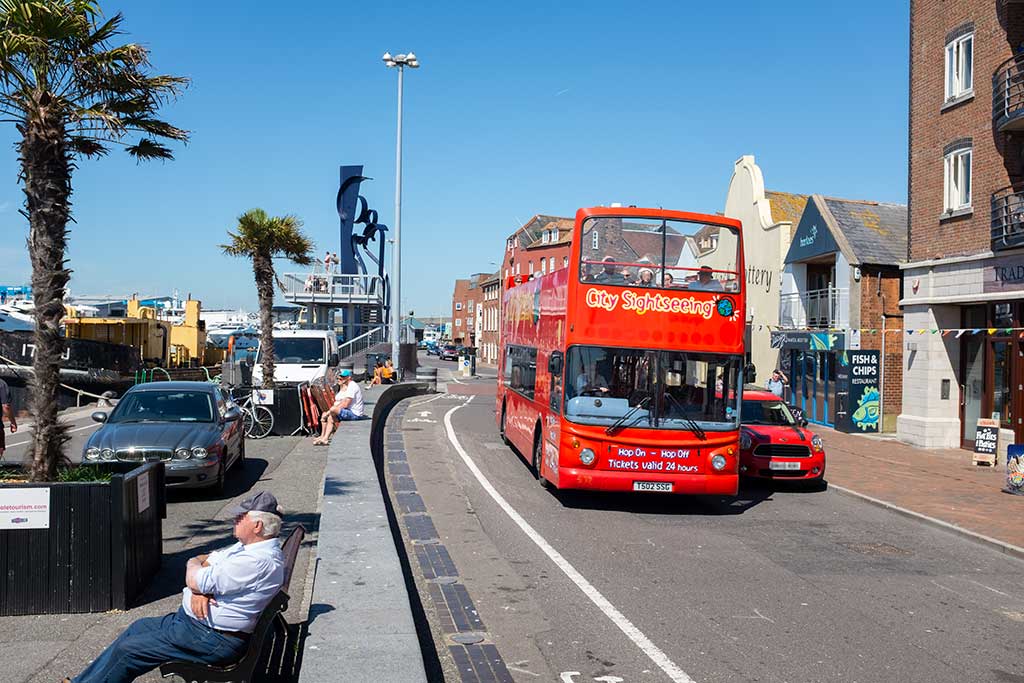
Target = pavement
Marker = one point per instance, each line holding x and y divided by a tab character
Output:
941	484
45	648
776	584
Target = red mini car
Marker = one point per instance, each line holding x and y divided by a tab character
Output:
774	445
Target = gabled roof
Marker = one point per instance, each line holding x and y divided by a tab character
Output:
532	230
875	231
787	206
564	225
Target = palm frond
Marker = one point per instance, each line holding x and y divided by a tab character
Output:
146	149
88	147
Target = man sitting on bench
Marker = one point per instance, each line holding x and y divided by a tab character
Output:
225	593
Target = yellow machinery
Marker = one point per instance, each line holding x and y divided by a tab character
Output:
159	342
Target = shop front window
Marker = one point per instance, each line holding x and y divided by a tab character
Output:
1001	401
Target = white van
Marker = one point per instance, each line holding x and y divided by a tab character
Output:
299	356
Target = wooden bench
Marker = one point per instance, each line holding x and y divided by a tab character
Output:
272	616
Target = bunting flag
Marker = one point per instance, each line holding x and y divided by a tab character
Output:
991	330
960	333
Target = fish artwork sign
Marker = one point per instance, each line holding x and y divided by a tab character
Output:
863	393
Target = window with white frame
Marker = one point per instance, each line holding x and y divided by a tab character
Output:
544	238
458	305
519	268
957	179
554	235
543	266
458	322
551	264
565	261
595	238
960	67
531	267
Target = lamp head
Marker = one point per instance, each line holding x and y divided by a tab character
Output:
388	60
411	61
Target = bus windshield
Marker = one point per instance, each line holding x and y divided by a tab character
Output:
652	388
662	253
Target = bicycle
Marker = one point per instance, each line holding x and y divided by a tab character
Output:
257	420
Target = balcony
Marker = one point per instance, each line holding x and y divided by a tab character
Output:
820	309
1007	219
333	290
1008	95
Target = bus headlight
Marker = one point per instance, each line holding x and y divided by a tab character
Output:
587	457
718	462
817	444
92	453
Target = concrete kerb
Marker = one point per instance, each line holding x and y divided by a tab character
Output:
994	543
361	624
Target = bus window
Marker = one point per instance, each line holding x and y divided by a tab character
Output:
658	389
659	253
521	369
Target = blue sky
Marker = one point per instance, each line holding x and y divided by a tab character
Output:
518	109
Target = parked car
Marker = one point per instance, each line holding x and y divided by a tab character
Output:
448	352
433	349
774	444
193	427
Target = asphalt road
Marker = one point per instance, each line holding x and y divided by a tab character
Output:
80	426
771	586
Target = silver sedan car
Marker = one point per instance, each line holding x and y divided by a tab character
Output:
193	427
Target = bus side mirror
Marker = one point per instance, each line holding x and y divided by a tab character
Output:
555	363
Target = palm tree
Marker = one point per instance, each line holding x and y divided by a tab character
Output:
71	93
263	238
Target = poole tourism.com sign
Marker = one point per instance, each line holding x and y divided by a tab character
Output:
24	508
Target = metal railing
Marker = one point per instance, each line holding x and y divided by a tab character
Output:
332	288
1007	219
364	341
1008	92
816	308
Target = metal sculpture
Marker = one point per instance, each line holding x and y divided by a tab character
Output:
353	210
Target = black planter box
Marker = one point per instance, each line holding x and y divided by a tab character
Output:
99	553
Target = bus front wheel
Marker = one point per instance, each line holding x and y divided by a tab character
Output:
538	459
504	436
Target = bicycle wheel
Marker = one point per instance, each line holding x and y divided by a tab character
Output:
262	422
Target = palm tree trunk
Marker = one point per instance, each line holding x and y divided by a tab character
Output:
46	172
263	270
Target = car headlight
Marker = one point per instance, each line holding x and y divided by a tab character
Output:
93	453
107	454
199	453
587	456
817	444
745	441
182	454
718	462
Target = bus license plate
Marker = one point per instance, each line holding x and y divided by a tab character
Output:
663	486
783	465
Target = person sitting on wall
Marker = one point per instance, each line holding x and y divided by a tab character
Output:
224	594
387	373
377	379
348	405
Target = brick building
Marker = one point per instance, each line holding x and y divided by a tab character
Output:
540	246
490	319
467	309
965	275
840	290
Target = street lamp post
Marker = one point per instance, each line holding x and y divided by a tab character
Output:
400	61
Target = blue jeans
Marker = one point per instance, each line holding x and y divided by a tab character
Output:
346	414
150	642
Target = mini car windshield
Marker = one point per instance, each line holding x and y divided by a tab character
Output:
164	406
767	413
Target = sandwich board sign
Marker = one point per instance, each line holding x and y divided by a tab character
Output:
986	442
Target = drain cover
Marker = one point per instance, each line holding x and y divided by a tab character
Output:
468	638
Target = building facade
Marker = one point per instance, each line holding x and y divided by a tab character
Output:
769	219
840	293
963	294
490	320
540	246
467	309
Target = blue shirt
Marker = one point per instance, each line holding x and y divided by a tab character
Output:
242	579
775	386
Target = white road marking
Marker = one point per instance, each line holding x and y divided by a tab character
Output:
656	655
432	398
76	429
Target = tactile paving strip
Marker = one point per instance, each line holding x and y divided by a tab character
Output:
477	662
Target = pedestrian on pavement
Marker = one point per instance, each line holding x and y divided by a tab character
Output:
8	412
224	594
348	405
777	382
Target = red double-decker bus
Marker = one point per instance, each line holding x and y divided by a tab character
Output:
623	371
